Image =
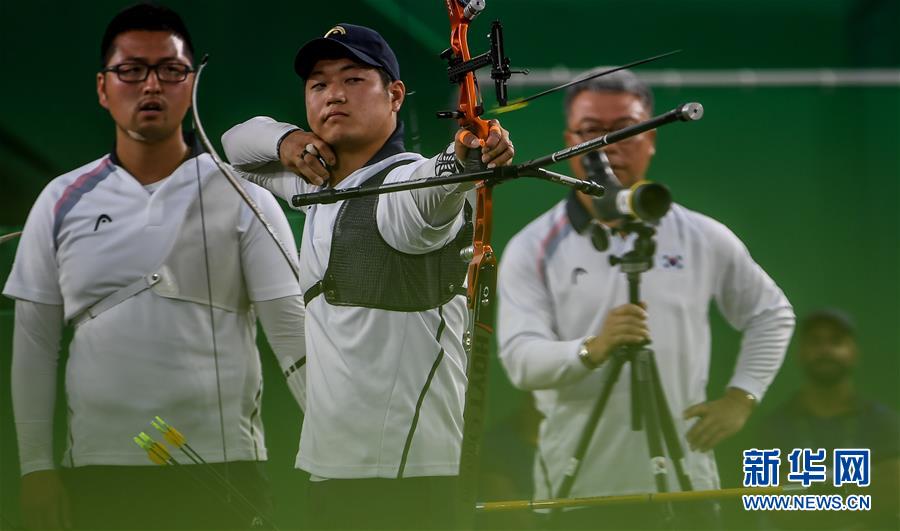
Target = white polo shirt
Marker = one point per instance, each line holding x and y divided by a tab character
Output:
95	230
385	389
555	290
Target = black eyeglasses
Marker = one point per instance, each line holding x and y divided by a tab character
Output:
592	132
138	72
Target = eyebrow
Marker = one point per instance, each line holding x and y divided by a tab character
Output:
343	69
594	121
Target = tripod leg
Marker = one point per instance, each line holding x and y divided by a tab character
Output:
670	433
642	365
615	368
650	414
637	421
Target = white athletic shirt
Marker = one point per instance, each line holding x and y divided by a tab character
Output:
556	288
97	229
385	389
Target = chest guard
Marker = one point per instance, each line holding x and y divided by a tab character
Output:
364	270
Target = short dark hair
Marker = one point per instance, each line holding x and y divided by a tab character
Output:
621	81
835	318
385	77
145	16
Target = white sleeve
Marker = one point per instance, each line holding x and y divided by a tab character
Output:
283	321
252	149
36	339
423	220
266	272
530	350
440	204
35	273
751	302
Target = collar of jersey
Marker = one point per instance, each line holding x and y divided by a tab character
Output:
578	216
196	148
393	146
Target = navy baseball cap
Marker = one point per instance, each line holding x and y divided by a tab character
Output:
834	317
348	40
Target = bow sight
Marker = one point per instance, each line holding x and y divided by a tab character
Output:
496	58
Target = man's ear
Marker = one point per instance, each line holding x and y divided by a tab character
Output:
569	138
101	91
652	139
397	90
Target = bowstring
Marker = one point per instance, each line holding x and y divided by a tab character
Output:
212	324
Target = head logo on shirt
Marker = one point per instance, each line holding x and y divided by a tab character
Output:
102	218
578	271
672	261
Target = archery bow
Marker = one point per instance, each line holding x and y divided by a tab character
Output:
233	179
245	197
482	274
10	236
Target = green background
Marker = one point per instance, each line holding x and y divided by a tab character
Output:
806	177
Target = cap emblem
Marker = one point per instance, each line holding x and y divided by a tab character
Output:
337	30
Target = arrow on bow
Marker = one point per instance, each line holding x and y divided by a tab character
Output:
521	103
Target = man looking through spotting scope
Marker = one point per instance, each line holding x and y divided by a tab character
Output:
384	286
563	312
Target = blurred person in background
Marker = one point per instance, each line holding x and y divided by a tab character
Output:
829	411
563	312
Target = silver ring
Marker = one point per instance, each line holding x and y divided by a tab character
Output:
311	149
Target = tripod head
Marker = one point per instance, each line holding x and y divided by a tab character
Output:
640	258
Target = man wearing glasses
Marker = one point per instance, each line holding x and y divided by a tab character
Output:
158	266
563	312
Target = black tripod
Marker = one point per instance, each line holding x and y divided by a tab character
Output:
649	409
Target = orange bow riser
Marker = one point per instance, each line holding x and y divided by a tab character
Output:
467	115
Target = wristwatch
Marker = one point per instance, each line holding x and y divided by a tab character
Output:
584	354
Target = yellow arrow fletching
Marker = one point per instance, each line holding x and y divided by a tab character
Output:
162	451
156	458
509	108
157	453
173	436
